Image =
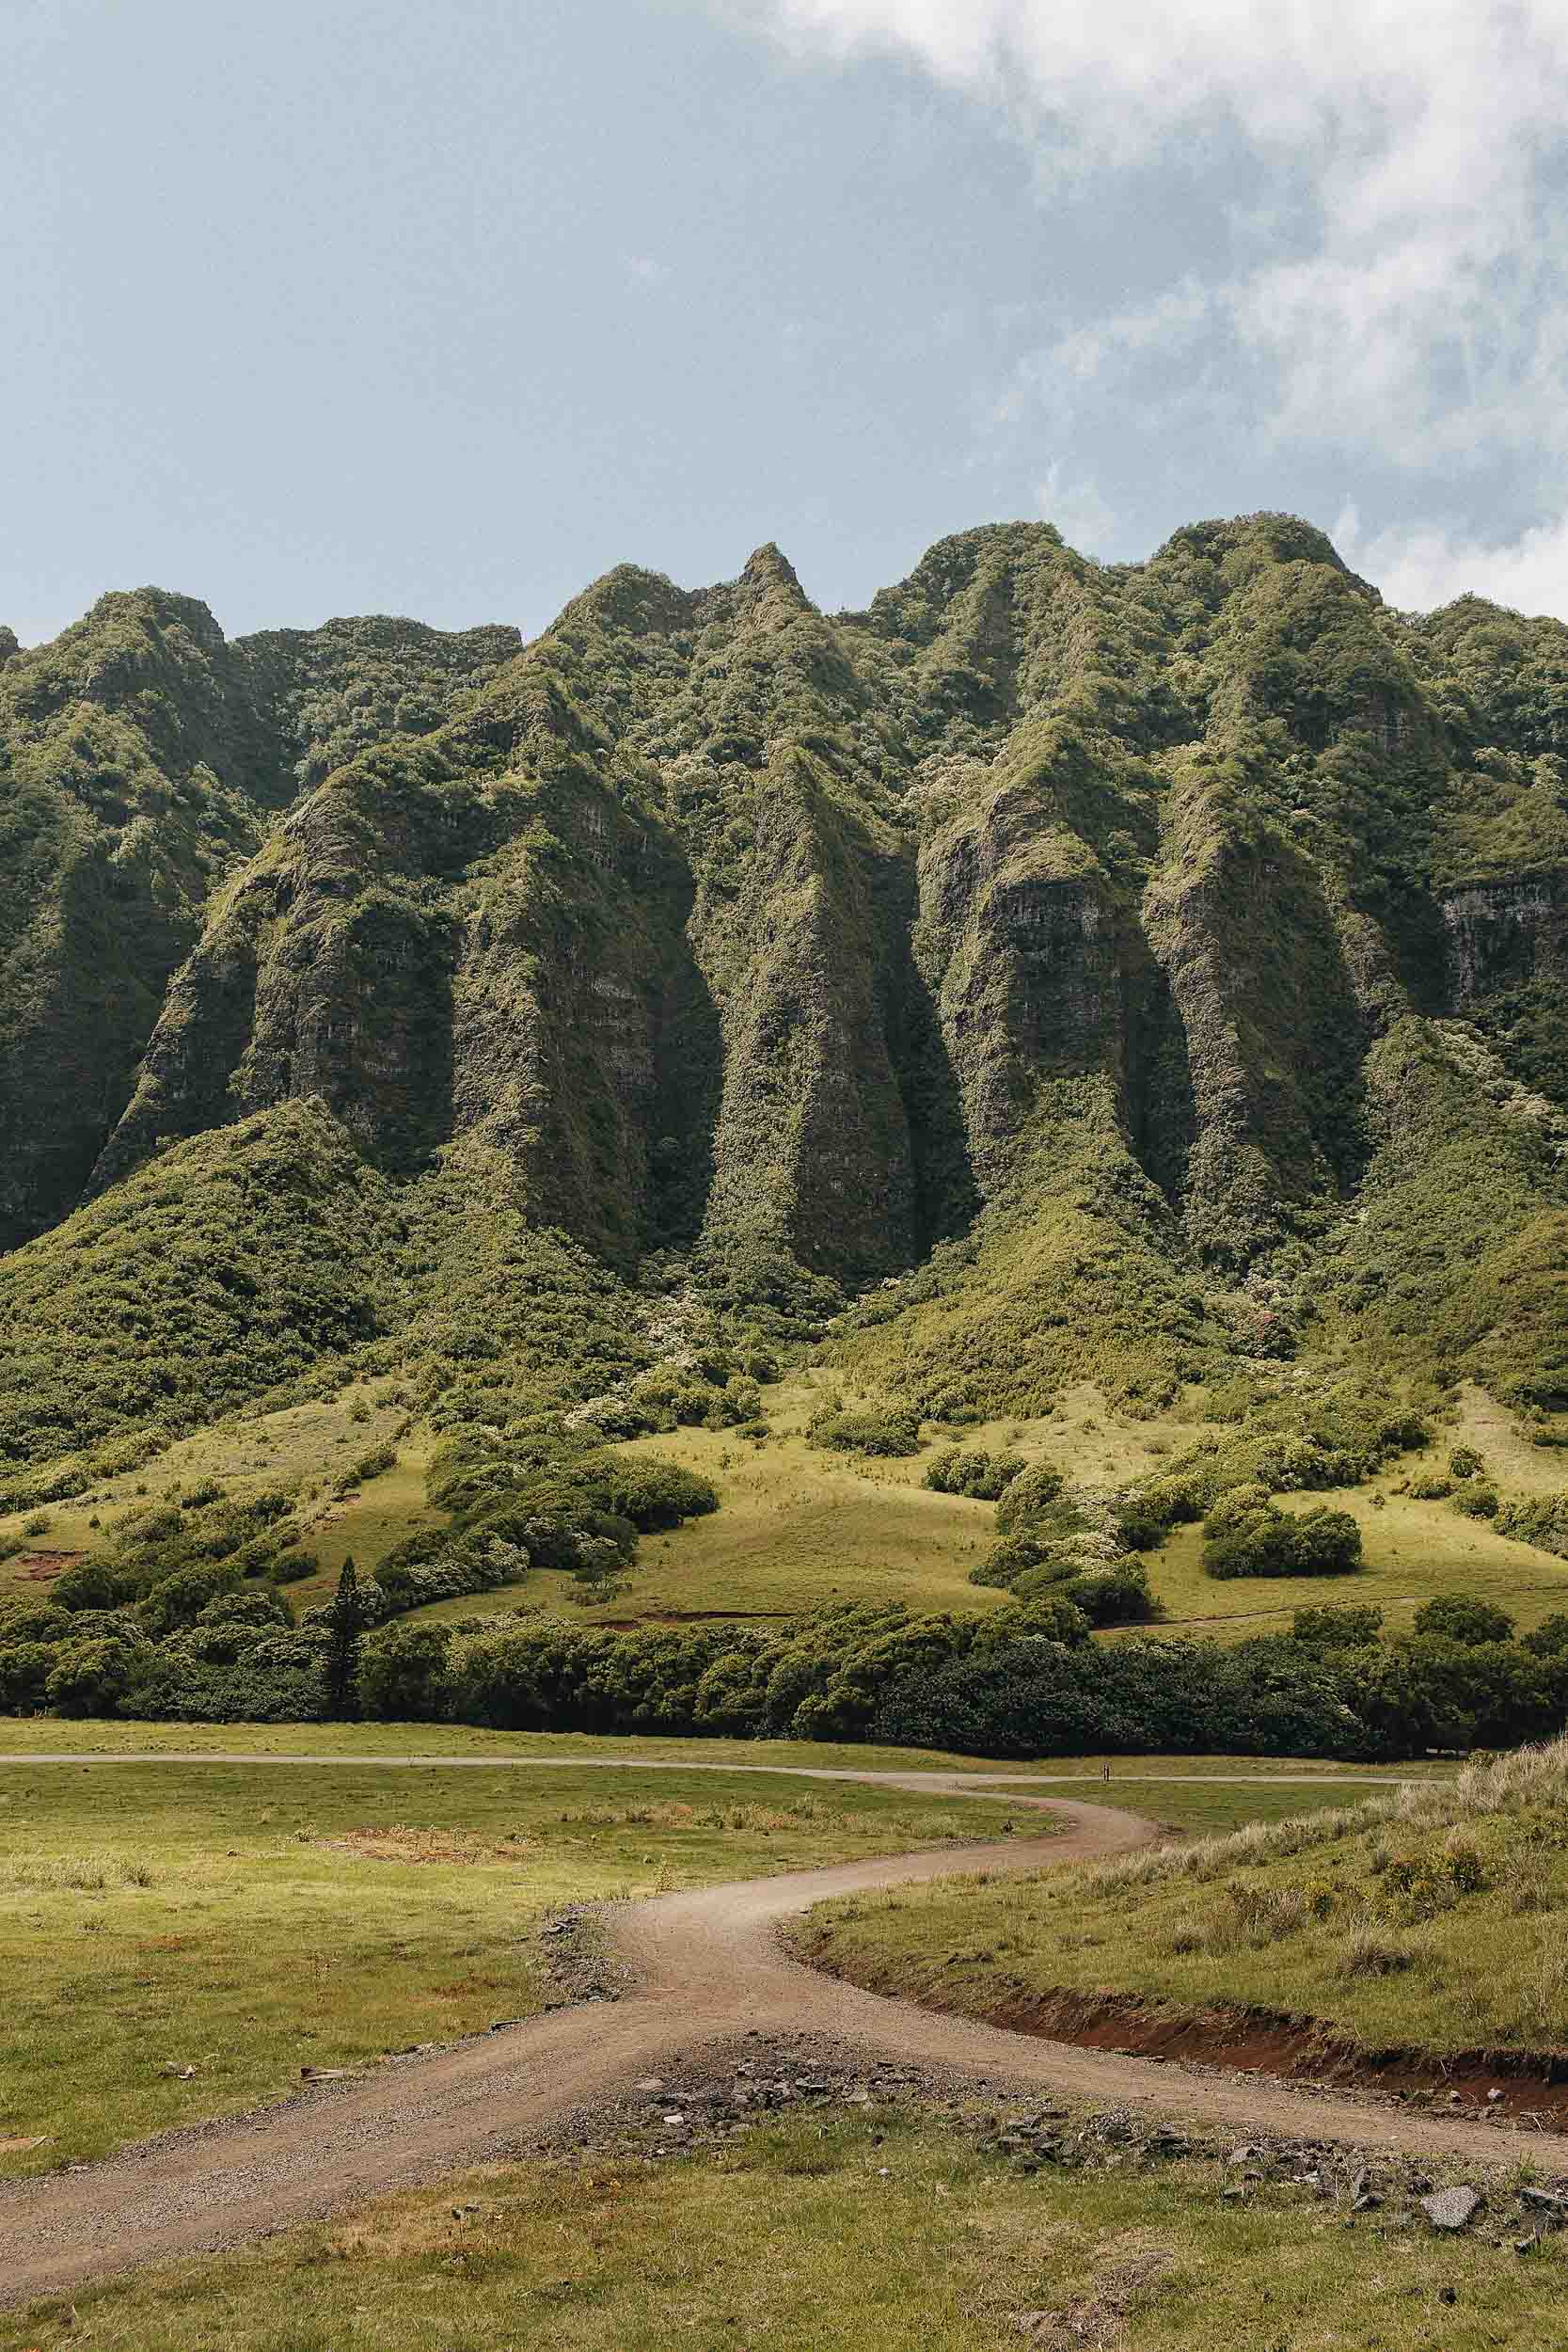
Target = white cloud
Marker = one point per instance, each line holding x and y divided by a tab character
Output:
1412	295
1420	567
1077	509
645	269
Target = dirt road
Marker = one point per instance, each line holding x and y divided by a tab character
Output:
703	1968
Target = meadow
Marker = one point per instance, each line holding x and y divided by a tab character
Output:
875	2231
798	1526
179	1941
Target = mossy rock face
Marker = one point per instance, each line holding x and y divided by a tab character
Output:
142	759
1096	972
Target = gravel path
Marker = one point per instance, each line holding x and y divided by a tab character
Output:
701	1969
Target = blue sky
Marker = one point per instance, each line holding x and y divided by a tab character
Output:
372	306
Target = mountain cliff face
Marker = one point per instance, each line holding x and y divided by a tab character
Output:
1086	966
142	761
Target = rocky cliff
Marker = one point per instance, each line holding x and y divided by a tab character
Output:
1037	946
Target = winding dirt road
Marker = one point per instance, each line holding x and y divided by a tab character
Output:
704	1968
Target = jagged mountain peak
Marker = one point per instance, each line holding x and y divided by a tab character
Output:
1054	913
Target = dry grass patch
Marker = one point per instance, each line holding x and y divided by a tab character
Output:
401	1844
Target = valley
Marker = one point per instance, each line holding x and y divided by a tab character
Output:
660	1288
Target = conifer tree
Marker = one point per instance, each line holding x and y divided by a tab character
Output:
345	1624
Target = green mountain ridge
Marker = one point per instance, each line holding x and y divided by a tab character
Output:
1107	972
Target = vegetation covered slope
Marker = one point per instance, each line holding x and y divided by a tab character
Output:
1120	973
1429	1917
142	759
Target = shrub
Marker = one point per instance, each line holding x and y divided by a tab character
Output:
1027	1496
838	1429
291	1565
1431	1489
91	1677
1116	1594
24	1670
27	1620
91	1584
672	1399
1550	1638
651	1493
1055	1616
1331	1628
971	1472
1539	1519
1046	1577
1464	1462
1465	1864
1478	1501
374	1464
180	1599
1370	1951
404	1673
1138	1527
1247	1534
1457	1617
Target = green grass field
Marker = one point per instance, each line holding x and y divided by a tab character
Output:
246	1919
797	1527
1431	1917
881	2232
1412	1551
243	1922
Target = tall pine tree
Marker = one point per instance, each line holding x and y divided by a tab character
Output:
345	1625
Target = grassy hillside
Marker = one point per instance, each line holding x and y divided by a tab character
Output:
1121	1006
1429	1918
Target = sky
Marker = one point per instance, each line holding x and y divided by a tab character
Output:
381	307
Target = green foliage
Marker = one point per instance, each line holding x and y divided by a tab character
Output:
841	1430
232	1265
1246	1534
1304	1443
380	1459
404	1672
1455	1617
649	1493
668	1399
1119	1593
25	1666
1539	1519
1027	1496
970	1470
345	1622
179	1601
91	1678
1336	1627
1140	975
1428	1489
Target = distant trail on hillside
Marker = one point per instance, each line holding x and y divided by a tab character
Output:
702	1969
